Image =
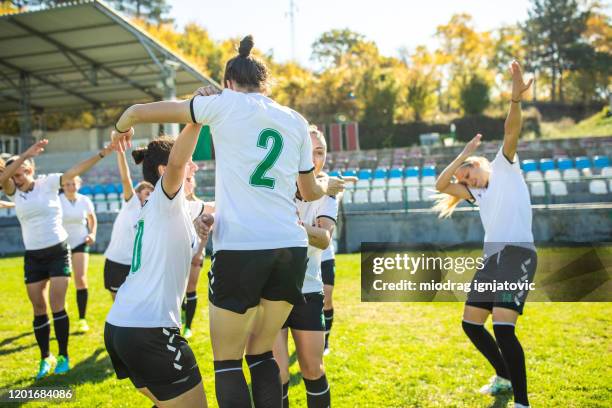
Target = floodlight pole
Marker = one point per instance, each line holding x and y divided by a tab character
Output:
25	119
169	82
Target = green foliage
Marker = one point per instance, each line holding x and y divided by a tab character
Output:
475	96
332	46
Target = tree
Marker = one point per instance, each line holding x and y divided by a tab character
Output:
421	81
553	34
475	96
152	11
332	45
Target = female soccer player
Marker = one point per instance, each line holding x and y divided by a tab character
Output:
505	209
80	222
306	321
262	149
47	253
142	334
119	252
190	302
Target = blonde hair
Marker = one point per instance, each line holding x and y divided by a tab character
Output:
313	130
445	203
143	185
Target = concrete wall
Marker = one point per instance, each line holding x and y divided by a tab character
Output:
560	224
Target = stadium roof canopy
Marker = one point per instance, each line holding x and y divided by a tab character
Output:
84	54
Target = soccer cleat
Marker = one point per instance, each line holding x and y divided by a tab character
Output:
45	366
63	366
497	385
83	326
187	333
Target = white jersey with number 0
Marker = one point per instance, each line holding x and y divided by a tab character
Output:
40	213
310	211
121	244
74	218
260	147
163	247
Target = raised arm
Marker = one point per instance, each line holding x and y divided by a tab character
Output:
126	179
179	155
8	172
312	188
514	122
87	164
444	183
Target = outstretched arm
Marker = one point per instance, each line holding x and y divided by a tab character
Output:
5	176
444	182
514	122
87	164
126	179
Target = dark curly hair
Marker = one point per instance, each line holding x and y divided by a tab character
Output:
156	153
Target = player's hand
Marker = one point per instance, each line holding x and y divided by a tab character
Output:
471	146
109	148
206	91
518	83
203	225
90	239
334	186
122	141
36	149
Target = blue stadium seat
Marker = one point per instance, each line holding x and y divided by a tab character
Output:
349	173
547	164
529	165
119	188
86	190
364	174
429	171
99	189
583	162
110	188
411	172
601	161
396	173
565	163
380	173
334	173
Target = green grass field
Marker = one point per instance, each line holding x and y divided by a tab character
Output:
383	354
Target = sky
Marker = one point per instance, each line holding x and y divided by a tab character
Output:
392	24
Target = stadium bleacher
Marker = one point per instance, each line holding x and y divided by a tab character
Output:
559	171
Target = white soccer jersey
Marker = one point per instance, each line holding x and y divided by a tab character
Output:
505	206
260	146
74	218
121	244
40	213
310	211
163	247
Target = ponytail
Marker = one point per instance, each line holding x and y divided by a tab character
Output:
139	154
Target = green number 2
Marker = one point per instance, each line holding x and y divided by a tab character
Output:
258	178
137	254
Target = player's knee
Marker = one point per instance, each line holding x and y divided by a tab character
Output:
312	370
39	307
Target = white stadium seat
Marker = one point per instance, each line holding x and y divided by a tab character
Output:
99	197
360	196
598	187
571	175
114	206
558	188
377	195
427	194
347	197
428	180
413	194
101	206
412	181
534	176
394	195
362	184
551	175
395	182
379	182
538	188
606	172
112	196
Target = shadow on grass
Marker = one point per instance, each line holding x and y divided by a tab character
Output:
8	341
501	401
90	370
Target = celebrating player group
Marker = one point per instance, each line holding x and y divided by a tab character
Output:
272	269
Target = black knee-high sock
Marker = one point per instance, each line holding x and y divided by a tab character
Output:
515	360
317	393
329	320
42	330
62	328
82	295
191	301
286	395
230	385
265	380
485	343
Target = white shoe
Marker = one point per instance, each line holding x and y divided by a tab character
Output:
497	385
